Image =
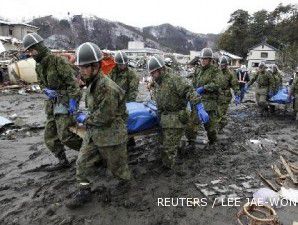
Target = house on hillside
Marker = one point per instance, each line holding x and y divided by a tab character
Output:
16	30
262	52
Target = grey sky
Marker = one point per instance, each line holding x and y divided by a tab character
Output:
206	16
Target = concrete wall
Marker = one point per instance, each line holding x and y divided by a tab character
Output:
255	56
18	31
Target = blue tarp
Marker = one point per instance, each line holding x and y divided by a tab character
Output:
141	116
281	97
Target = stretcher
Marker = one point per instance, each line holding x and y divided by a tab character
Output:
142	120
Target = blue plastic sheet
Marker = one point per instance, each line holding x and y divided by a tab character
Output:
141	116
281	97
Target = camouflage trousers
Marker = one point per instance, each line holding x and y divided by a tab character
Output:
192	127
212	126
171	138
223	119
262	102
90	154
57	134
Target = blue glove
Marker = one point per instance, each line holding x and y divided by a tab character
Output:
237	100
72	106
202	114
52	94
81	117
200	90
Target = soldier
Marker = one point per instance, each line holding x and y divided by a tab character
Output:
277	79
57	79
294	93
172	93
208	82
106	133
125	77
128	80
229	82
264	88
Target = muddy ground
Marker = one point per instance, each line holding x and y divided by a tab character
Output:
29	195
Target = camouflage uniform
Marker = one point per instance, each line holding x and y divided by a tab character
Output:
128	81
172	94
211	78
229	82
265	83
106	133
277	81
55	73
294	92
193	126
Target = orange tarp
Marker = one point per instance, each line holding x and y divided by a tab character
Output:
107	64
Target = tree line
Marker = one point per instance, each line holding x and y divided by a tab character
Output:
278	28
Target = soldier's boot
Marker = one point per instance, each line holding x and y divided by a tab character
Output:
62	164
272	109
80	198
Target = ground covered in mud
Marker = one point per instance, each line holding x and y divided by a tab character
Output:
29	195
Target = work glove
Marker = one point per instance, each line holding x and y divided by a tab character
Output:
237	100
72	106
51	94
202	114
200	90
81	117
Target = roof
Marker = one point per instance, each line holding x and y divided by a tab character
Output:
17	23
230	55
144	50
263	43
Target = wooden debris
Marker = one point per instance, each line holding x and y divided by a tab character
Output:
294	179
267	182
279	174
11	87
289	149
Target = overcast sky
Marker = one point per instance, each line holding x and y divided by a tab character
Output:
207	16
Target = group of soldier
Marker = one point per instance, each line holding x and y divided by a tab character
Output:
106	138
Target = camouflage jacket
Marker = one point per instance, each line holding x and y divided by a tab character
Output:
106	105
128	80
211	78
277	79
229	81
55	73
172	95
294	87
265	82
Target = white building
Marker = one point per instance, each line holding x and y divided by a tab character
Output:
16	30
182	59
136	45
261	53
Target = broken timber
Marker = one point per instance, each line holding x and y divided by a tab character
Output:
294	179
